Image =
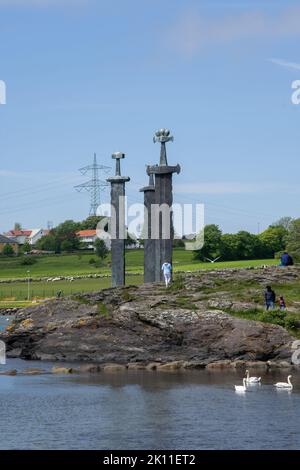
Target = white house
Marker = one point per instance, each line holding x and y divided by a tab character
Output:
30	236
87	237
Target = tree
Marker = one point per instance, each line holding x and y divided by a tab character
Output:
17	226
91	222
249	245
48	243
101	248
26	247
212	243
284	222
8	250
65	232
67	245
230	247
293	239
130	240
273	239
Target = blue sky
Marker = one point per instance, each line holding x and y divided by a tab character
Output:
87	76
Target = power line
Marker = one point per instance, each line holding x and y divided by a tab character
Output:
94	186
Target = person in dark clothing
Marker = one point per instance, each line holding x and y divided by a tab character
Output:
286	259
282	304
270	298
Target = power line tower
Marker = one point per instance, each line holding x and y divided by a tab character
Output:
94	186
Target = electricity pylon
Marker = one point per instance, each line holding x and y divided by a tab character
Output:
94	186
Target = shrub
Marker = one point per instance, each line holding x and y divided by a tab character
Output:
28	261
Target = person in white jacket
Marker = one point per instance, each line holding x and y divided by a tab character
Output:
167	272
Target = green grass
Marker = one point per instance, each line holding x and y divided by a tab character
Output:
12	292
282	318
78	264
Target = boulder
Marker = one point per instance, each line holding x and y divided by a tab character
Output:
34	371
114	368
175	365
62	370
11	372
226	364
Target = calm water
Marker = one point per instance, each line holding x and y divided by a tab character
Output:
146	410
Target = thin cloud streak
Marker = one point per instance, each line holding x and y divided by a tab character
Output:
193	31
284	63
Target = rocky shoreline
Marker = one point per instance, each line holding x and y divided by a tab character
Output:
148	327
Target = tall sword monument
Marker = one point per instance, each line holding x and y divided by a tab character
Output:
118	229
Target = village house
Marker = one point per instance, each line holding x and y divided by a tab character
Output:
8	241
30	236
87	238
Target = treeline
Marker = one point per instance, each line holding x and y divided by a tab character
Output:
64	238
278	237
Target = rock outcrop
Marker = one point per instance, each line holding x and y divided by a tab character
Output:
150	325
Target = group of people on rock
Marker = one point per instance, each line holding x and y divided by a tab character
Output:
270	299
270	295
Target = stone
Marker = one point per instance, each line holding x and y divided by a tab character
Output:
296	344
256	364
117	194
62	370
152	365
175	365
11	372
114	368
219	365
194	364
134	366
34	371
149	324
90	369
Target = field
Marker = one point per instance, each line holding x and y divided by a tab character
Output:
12	293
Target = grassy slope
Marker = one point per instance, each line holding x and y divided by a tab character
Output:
50	266
71	265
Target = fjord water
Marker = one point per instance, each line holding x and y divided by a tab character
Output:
146	410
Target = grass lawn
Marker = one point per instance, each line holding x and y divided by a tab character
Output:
13	293
78	264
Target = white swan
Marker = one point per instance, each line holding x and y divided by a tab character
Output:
287	384
241	388
252	380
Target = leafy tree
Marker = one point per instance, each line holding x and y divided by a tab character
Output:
26	247
249	245
67	245
230	247
130	240
273	239
101	248
293	240
90	223
17	226
284	222
212	243
49	243
61	238
8	250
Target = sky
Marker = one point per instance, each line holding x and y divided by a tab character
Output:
85	76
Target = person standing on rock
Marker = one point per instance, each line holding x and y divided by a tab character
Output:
286	260
270	298
167	272
282	304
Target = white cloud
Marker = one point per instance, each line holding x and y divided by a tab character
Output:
193	31
284	63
